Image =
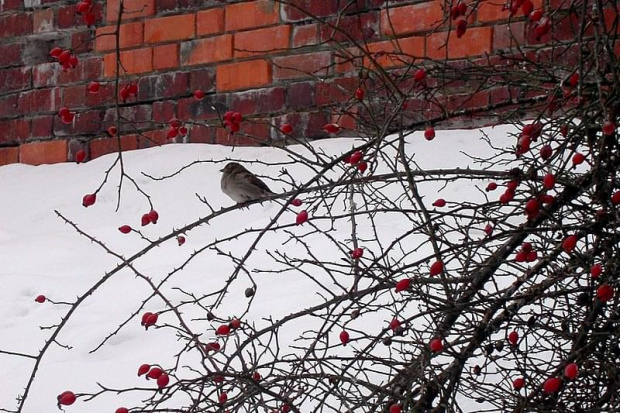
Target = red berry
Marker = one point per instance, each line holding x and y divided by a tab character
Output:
73	61
172	133
462	8
403	285
571	370
526	246
237	117
163	380
286	128
527	7
93	87
89	200
356	157
302	217
359	93
64	57
436	345
596	270
132	88
512	186
145	220
518	384
154	373
182	131
222	398
605	293
218	378
125	229
55	52
149	319
215	346
143	369
552	385
536	15
578	158
256	376
394	324
615	198
80	156
574	79
153	216
124	94
223	330
429	133
235	127
333	128
549	181
436	268
547	199
357	253
569	243
235	323
439	203
344	337
532	207
122	410
296	202
199	94
492	186
89	18
513	338
564	130
228	116
461	28
609	128
395	408
112	131
66	398
531	256
180	240
488	229
521	256
40	299
362	166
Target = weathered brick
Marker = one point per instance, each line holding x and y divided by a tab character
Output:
39	153
66	17
74	97
130	34
10	54
203	79
41	127
9	155
475	42
302	65
153	138
207	108
75	145
39	100
251	14
133	9
506	36
166	56
13	25
163	85
250	134
336	91
243	75
14	79
104	146
306	35
261	41
87	69
43	20
170	28
357	27
9	106
14	130
163	111
132	62
300	95
296	10
82	41
210	22
11	5
260	101
132	117
416	18
105	95
84	123
210	50
201	134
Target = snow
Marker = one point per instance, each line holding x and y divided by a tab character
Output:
41	254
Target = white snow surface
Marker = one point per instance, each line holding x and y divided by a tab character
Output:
40	254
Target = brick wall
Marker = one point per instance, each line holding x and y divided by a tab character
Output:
262	58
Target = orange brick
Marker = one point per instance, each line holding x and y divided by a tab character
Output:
256	42
9	155
302	65
131	34
104	146
251	14
166	29
476	41
165	57
132	62
38	153
397	52
305	35
132	9
244	75
213	49
421	17
42	20
209	22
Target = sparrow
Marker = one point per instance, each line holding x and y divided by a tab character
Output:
242	185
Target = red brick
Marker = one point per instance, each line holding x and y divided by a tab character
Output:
15	79
13	4
492	11
41	127
200	134
163	85
476	41
10	54
66	17
166	57
302	65
208	108
104	146
152	138
74	97
9	155
163	111
336	91
82	41
209	22
133	62
106	95
132	9
506	36
256	42
13	25
84	123
39	100
133	117
88	69
14	130
45	75
250	134
211	50
306	35
251	14
43	20
416	18
167	29
244	75
300	95
296	10
130	34
9	105
38	153
203	79
363	26
259	101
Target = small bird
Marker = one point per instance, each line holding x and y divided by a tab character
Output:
242	185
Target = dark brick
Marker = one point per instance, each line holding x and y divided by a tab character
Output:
192	109
152	138
357	27
300	95
41	127
162	86
76	145
336	91
8	106
14	25
133	117
164	111
39	100
15	79
202	79
10	54
201	134
15	130
104	146
261	101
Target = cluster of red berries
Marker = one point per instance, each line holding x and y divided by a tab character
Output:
356	159
85	8
530	133
526	253
176	129
226	329
128	90
66	116
66	59
155	373
232	121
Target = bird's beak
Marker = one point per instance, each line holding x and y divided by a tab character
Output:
221	170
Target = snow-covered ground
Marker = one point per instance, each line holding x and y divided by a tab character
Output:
41	254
